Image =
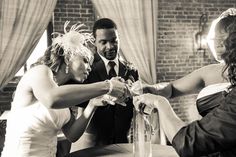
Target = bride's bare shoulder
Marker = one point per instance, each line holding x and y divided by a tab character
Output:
37	72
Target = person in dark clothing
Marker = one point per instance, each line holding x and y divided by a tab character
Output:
214	134
208	81
109	124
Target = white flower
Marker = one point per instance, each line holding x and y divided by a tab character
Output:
130	66
74	41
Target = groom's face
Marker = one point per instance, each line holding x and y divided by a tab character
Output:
107	43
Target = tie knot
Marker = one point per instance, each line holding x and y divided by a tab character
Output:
112	72
111	64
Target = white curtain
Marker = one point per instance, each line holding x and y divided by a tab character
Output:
22	23
136	22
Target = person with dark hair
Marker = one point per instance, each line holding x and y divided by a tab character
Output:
110	124
214	134
104	23
211	80
40	108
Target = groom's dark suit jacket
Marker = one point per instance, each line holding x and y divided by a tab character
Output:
110	124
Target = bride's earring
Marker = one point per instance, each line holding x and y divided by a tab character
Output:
66	59
67	69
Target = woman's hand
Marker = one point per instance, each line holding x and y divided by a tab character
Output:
105	100
146	102
136	88
118	87
98	101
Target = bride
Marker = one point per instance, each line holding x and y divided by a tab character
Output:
40	108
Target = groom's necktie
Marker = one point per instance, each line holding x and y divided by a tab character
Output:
112	72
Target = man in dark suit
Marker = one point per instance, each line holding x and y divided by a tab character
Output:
110	124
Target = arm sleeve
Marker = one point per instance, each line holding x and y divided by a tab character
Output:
216	132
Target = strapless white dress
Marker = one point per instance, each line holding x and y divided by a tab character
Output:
32	131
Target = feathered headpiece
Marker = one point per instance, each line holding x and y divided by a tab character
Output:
73	42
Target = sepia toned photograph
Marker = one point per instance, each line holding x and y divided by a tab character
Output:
117	78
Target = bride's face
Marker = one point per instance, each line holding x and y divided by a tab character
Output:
80	66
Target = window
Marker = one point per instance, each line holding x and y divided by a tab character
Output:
39	50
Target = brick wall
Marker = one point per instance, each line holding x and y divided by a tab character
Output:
178	21
6	94
5	104
74	11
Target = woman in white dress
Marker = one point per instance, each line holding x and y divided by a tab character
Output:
40	106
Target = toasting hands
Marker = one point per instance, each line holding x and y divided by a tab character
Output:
147	102
120	91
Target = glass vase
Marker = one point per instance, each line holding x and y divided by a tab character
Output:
141	135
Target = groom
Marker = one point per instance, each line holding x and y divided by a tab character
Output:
110	124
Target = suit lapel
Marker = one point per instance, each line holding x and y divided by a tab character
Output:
101	70
122	69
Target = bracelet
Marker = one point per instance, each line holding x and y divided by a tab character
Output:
110	86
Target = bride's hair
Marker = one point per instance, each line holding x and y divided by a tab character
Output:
52	59
76	41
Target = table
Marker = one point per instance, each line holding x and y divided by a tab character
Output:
122	150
